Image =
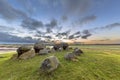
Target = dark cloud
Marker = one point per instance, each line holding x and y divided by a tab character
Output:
5	37
75	35
49	30
53	23
64	18
48	37
86	34
10	13
72	6
65	33
87	19
31	24
109	26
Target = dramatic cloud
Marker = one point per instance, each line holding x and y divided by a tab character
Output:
64	18
31	24
49	30
72	6
62	34
10	13
53	23
109	26
75	35
5	37
86	34
87	19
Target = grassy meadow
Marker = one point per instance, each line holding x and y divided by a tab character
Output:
99	62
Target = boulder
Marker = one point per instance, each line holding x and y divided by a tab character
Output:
23	49
56	47
65	46
43	52
77	52
50	64
39	46
27	55
70	57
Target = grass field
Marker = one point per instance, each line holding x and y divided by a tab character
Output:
97	63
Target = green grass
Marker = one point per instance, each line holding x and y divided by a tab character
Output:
97	63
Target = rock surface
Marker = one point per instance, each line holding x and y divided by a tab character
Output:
70	56
27	55
39	46
77	52
50	64
23	49
43	52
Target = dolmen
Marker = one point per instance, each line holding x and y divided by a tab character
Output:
49	64
39	46
60	46
24	52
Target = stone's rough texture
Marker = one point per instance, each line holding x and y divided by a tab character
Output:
43	52
50	64
58	46
39	46
65	46
27	55
70	56
77	52
23	49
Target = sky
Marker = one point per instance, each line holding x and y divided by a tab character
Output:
88	21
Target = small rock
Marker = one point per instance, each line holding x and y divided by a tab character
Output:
50	64
70	56
77	52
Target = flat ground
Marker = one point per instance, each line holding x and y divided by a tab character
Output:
99	62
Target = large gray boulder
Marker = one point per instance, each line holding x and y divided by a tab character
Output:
39	46
50	64
64	46
27	55
70	57
23	49
43	52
